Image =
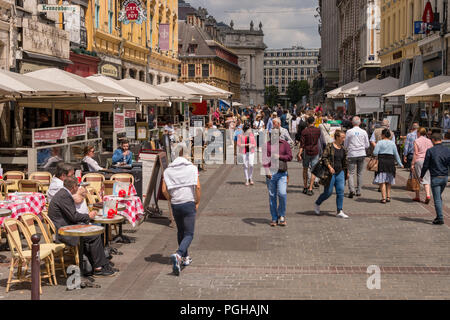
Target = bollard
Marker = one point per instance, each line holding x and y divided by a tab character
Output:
35	267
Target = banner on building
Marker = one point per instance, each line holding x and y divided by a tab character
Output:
72	23
132	11
164	37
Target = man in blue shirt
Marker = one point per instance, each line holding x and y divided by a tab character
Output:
437	160
123	154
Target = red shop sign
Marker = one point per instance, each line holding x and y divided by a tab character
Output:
130	113
49	135
74	131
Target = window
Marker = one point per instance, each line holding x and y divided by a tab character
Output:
270	81
179	72
277	72
270	72
110	16
191	70
295	73
283	89
192	48
282	80
205	70
289	72
97	15
289	80
283	72
302	72
276	81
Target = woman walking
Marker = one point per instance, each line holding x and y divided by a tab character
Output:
259	127
247	144
421	145
387	153
334	158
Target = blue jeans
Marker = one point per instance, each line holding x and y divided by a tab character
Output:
184	215
438	185
338	181
277	189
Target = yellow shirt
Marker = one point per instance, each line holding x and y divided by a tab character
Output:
318	121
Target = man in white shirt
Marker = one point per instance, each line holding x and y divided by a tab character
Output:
63	171
356	143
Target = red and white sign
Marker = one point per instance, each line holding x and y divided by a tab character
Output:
130	113
119	122
428	16
93	122
76	130
49	135
132	11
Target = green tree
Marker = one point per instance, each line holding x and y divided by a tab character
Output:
271	96
296	90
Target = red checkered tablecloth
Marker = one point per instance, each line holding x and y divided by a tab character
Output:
17	209
134	210
35	201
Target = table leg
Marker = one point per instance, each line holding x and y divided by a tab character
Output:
80	257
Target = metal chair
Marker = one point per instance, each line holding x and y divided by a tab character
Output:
13	176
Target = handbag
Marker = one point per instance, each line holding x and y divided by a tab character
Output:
373	164
319	170
413	183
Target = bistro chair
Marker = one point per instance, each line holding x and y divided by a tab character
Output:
108	186
42	176
92	197
51	231
122	177
2	190
95	180
14	176
29	186
29	220
22	257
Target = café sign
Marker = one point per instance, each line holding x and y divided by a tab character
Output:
109	70
132	11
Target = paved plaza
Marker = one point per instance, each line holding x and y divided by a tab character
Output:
237	255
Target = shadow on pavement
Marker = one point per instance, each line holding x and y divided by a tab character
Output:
255	221
159	221
418	220
158	258
236	183
312	213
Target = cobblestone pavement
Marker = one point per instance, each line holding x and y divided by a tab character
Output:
238	256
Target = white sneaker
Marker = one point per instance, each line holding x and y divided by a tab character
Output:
317	209
186	261
342	215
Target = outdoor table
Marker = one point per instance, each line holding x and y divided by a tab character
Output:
134	210
81	230
17	208
118	219
34	200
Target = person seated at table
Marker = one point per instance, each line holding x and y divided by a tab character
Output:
123	154
63	213
54	159
93	165
64	171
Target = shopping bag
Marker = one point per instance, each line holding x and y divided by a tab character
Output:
373	164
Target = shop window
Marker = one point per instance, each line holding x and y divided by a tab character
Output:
132	74
151	78
97	15
159	78
124	73
142	76
110	16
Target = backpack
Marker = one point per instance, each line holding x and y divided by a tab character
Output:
301	126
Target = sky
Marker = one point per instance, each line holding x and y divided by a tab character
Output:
285	22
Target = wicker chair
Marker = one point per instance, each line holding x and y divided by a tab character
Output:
122	177
43	176
108	186
29	220
51	231
95	179
14	176
22	257
29	186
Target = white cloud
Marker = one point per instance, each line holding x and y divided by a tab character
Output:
285	22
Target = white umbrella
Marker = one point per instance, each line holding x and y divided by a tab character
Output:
439	93
337	93
417	87
186	90
219	93
145	91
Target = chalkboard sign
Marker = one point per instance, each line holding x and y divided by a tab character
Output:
163	163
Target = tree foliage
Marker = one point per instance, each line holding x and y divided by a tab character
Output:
271	96
296	90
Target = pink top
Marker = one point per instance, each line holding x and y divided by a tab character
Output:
421	145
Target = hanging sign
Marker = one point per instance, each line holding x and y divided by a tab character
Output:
132	11
130	124
49	135
428	16
76	130
164	37
119	122
57	8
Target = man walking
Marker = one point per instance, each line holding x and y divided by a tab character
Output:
309	144
408	152
181	186
437	160
356	143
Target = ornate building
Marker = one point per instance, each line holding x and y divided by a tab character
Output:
203	57
249	46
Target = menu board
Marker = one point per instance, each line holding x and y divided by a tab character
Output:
76	130
130	124
49	135
119	122
93	127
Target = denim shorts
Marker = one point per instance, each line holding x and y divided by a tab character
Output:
310	161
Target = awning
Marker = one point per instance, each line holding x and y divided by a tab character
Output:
220	93
434	94
375	87
187	90
406	92
368	105
144	91
45	57
337	93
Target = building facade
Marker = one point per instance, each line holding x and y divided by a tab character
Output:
133	50
203	57
281	66
249	46
359	40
